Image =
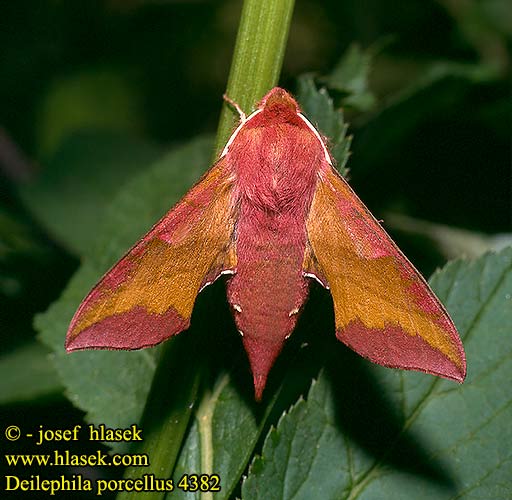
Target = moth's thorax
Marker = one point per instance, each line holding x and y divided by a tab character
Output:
276	164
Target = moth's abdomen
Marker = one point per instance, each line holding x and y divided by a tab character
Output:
268	289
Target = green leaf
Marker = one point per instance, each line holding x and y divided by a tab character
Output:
70	195
318	106
305	444
112	386
350	77
214	444
373	433
26	375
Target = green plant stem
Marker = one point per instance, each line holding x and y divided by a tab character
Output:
257	59
167	413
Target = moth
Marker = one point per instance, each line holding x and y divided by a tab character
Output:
271	215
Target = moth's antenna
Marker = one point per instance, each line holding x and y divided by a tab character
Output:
235	105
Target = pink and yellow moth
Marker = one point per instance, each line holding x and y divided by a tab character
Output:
271	215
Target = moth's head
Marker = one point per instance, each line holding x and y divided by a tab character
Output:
278	100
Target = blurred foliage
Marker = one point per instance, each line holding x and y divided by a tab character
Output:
68	180
100	104
97	99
